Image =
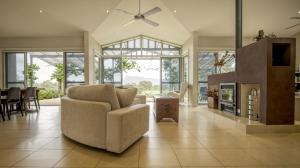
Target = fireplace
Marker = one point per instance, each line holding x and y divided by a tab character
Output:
227	97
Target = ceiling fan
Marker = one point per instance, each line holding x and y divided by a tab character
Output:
142	16
293	25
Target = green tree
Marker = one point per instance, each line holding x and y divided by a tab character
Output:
170	70
31	74
128	64
145	85
120	64
59	76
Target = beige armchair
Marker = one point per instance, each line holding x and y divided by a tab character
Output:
179	94
102	116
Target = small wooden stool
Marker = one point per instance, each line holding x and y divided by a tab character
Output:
166	107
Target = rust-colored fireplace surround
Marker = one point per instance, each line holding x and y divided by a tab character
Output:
270	63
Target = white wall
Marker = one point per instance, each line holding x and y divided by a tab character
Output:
191	46
42	43
220	43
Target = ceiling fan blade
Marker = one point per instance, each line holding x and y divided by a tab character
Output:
152	23
129	23
152	11
292	26
294	17
124	11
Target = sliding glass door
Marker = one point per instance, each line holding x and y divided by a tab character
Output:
15	69
170	74
74	69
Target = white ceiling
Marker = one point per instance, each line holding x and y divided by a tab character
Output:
217	17
20	18
113	29
59	17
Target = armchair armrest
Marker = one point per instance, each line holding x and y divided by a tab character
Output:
125	126
84	121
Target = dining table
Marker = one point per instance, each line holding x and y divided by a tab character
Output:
4	92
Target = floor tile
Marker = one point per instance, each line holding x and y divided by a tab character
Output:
158	158
9	157
196	157
80	158
234	157
43	158
129	158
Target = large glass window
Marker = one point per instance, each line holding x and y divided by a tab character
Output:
15	69
170	74
142	51
210	63
74	69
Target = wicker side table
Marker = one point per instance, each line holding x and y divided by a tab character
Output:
166	107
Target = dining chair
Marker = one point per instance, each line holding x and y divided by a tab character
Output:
30	96
13	98
1	109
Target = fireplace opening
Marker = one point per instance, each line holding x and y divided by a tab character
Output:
227	97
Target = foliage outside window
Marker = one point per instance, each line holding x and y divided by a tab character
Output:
31	74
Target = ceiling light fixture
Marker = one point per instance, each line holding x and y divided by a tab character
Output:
41	11
107	11
175	11
298	11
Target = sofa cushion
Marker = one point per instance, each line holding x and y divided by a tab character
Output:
98	93
126	96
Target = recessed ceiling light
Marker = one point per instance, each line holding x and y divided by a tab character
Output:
107	11
41	11
175	11
298	11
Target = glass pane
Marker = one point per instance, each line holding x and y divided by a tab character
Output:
169	87
20	85
138	43
112	69
170	69
206	61
145	43
229	59
145	76
151	44
165	46
15	69
75	67
158	45
124	44
46	70
202	90
117	45
96	70
186	69
131	44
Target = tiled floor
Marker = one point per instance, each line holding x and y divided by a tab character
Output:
201	139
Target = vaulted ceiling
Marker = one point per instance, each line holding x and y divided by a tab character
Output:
19	18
